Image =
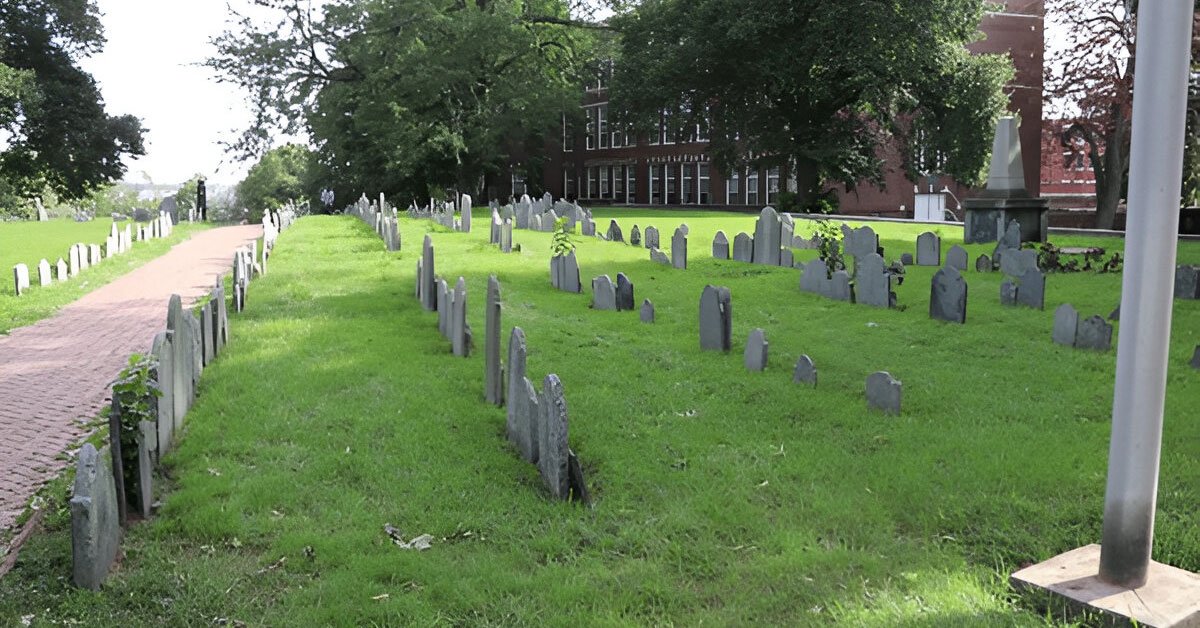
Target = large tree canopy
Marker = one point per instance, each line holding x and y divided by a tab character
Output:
818	85
51	113
404	95
283	174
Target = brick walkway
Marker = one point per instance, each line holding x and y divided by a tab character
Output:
54	374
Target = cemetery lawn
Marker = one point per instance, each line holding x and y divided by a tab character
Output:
30	242
720	496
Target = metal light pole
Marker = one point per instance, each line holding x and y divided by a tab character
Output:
1156	162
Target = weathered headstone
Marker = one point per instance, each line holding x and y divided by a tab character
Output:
553	452
1009	240
787	258
44	277
1094	333
60	270
465	209
805	372
1196	358
147	438
983	264
94	254
443	308
838	287
659	257
720	246
614	233
716	318
635	236
957	258
755	355
460	333
884	393
874	284
75	257
493	369
859	243
164	375
767	233
624	292
182	360
906	259
679	249
647	311
95	531
206	333
1066	324
604	293
948	296
429	281
1187	282
814	276
20	279
929	249
743	248
651	238
522	400
565	273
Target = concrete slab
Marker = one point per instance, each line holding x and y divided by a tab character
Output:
1169	599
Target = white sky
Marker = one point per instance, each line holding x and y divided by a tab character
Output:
145	71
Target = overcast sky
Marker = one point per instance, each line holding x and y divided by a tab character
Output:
146	69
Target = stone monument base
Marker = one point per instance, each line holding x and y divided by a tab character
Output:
986	218
1169	599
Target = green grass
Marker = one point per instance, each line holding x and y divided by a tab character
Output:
720	496
30	242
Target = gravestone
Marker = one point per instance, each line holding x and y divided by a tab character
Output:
465	209
1031	289
659	257
1026	285
75	259
647	312
93	254
906	259
147	438
20	279
716	317
788	232
553	452
786	258
1010	239
1066	324
95	530
494	233
197	350
814	276
983	264
220	318
859	243
575	479
948	296
720	246
604	294
884	393
929	249
1115	315
684	228
614	232
206	333
164	406
838	287
428	281
651	238
1094	333
565	273
181	359
460	333
1008	293
1196	358
874	284
522	400
60	271
743	248
768	232
957	258
805	372
679	249
1187	282
506	231
755	355
443	308
635	236
44	277
624	292
493	386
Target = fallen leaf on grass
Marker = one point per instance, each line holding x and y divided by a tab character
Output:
381	596
420	543
764	483
273	566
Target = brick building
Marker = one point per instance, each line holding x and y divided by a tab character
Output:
600	164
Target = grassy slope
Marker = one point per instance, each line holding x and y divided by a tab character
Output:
721	496
29	242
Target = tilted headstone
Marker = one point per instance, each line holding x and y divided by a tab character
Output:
460	332
614	232
1094	333
95	530
197	351
651	238
720	246
884	393
493	381
805	372
588	226
679	249
625	298
716	318
647	311
874	284
957	258
983	264
1187	282
44	277
553	451
948	296
635	236
566	272
788	232
60	270
521	431
20	279
743	248
164	375
755	355
659	257
1066	323
929	249
604	293
768	232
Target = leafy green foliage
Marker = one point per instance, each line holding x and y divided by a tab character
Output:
829	244
1052	258
817	85
284	174
561	243
136	393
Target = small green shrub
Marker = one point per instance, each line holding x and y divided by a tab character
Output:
562	242
135	392
829	247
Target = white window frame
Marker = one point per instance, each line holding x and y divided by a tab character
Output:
772	182
733	191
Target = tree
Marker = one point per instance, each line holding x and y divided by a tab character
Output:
407	95
282	175
819	86
1089	83
59	134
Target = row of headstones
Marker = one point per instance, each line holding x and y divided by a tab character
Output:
541	214
382	218
650	240
80	256
501	233
101	498
883	392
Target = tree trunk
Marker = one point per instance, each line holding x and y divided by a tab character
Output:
1112	181
808	182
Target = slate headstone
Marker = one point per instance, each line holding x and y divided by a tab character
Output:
625	298
520	430
147	438
720	246
651	238
874	284
206	333
814	276
768	232
182	360
647	311
1066	325
1196	358
95	531
948	296
679	249
659	257
755	355
743	248
460	333
493	387
1094	333
957	258
635	236
614	233
164	375
906	259
604	293
983	264
553	451
716	318
929	249
786	258
805	372
861	242
884	393
1187	282
838	287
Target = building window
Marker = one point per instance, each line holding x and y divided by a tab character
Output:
602	125
687	192
752	187
732	196
593	190
631	185
672	187
568	135
705	185
590	129
619	183
772	185
604	174
568	184
656	184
